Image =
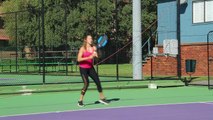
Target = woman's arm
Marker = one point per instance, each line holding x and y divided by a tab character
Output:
95	52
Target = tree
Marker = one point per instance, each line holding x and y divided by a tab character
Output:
71	19
20	21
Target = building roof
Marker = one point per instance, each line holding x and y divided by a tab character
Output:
2	38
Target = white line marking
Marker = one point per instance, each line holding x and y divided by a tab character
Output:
208	103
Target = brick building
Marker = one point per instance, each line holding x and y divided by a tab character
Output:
195	22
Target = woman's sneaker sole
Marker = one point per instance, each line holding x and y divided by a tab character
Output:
80	104
104	102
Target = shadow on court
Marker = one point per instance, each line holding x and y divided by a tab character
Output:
109	100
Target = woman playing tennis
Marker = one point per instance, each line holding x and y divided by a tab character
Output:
85	58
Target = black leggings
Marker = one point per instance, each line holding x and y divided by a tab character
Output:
85	74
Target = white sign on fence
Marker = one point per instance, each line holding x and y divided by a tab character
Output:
170	47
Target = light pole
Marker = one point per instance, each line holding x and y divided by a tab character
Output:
137	38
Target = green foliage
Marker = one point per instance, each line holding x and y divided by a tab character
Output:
25	21
71	19
125	21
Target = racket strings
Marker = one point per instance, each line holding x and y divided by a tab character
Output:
102	41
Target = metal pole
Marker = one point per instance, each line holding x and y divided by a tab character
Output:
149	51
96	27
179	41
66	42
39	41
137	41
43	39
116	38
151	68
208	69
16	28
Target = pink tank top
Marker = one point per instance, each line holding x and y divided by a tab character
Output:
86	63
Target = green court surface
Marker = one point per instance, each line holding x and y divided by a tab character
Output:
67	101
126	84
14	79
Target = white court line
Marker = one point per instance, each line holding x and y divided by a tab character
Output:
208	103
107	108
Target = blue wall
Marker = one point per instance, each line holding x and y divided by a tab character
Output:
190	33
166	20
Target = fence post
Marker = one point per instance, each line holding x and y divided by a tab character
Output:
179	40
116	38
16	29
39	41
43	39
65	36
96	26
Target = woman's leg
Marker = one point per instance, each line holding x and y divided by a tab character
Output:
84	75
94	76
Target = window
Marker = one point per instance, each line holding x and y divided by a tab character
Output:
202	11
209	10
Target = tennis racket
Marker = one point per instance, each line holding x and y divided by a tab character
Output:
102	41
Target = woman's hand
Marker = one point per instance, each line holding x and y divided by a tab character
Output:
95	54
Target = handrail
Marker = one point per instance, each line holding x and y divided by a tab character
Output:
148	42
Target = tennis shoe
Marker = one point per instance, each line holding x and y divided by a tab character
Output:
80	104
104	101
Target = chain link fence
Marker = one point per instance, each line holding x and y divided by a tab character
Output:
44	38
